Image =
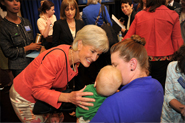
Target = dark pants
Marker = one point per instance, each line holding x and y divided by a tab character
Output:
158	70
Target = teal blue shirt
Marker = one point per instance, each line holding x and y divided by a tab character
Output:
89	114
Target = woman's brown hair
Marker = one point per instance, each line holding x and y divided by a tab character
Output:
153	4
133	48
46	5
65	4
179	56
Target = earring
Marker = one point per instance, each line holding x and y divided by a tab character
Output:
131	69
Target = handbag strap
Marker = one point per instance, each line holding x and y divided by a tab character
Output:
104	13
102	10
97	18
65	60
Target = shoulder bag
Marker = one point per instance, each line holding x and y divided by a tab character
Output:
41	107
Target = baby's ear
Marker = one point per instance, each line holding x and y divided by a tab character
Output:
95	84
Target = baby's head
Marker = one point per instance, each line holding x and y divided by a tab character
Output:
108	80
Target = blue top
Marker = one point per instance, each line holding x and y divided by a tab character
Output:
139	101
173	90
91	12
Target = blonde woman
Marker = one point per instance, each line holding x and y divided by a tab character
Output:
40	80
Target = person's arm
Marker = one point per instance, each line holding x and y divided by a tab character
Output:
124	30
56	33
177	106
76	97
177	40
44	30
32	46
169	90
11	50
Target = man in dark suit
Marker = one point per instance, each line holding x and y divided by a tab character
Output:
173	4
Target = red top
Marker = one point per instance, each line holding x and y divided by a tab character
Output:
36	80
161	30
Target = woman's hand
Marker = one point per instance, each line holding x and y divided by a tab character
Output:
33	46
76	97
123	30
42	49
122	22
183	110
177	106
48	22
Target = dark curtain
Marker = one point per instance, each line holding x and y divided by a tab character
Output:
116	9
29	9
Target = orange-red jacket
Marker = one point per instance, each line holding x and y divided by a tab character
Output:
161	30
36	80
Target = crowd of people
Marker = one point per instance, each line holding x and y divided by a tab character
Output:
145	83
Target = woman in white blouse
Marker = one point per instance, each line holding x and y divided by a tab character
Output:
46	21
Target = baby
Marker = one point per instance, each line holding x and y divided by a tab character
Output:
107	83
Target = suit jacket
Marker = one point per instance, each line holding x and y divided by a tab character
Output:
62	33
131	19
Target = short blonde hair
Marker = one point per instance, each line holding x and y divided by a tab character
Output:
108	80
92	35
93	1
65	4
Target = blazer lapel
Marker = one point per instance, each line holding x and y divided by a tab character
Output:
77	26
67	30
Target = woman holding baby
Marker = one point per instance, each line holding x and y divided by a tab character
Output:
141	97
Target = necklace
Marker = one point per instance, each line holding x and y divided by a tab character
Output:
73	61
71	26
